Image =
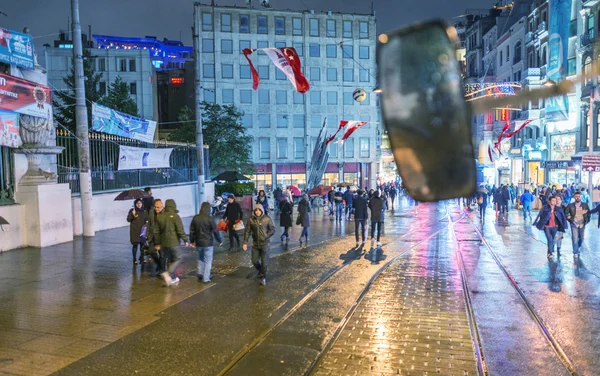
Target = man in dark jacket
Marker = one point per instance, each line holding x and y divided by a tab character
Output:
360	215
148	200
277	195
393	194
154	253
261	227
505	199
549	220
233	214
168	233
202	230
330	199
578	213
349	198
377	207
338	197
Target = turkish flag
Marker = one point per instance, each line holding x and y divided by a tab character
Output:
286	60
352	126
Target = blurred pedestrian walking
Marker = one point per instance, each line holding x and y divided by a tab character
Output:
548	220
168	233
376	205
286	209
234	215
361	216
202	231
261	227
304	217
578	214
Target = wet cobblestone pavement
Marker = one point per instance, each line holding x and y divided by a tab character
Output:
433	300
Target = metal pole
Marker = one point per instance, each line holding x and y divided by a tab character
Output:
594	120
81	119
199	96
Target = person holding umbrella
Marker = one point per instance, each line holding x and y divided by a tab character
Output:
137	218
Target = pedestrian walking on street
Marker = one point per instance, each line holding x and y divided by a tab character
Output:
339	203
393	194
277	196
482	201
233	214
331	199
348	198
561	229
202	230
286	209
261	227
526	200
148	200
137	218
548	220
158	268
304	217
377	207
361	216
505	199
262	199
168	234
578	214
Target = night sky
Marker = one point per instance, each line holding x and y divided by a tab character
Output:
172	18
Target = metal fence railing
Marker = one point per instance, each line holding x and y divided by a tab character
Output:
104	156
7	176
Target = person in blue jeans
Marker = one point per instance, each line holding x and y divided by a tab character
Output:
202	230
339	201
526	201
578	213
549	220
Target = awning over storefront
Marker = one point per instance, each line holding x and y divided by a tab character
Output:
291	168
331	167
263	168
350	167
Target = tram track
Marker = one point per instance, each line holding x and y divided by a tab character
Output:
247	350
536	317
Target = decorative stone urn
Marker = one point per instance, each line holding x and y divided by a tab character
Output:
35	132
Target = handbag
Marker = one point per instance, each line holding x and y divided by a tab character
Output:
239	226
143	234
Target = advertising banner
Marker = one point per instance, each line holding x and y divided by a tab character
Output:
16	49
132	158
557	108
25	97
9	129
107	120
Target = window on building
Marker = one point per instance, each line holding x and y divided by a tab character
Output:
349	148
314	27
226	22
246	96
332	98
517	76
332	50
518	48
262	25
263	72
227	71
348	99
282	148
501	59
244	44
281	97
209	95
264	148
331	28
364	75
209	70
365	147
590	26
315	121
122	65
207	22
363	52
279	75
314	50
208	45
132	65
571	67
262	44
245	71
102	88
227	95
331	74
348	29
101	64
299	152
244	23
587	66
298	121
315	97
333	150
247	120
226	46
315	74
507	54
297	26
282	121
298	98
299	48
264	121
363	30
348	75
279	25
263	96
347	52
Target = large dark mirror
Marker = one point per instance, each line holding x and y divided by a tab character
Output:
424	112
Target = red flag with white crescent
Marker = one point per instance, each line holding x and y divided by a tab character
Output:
343	123
286	60
353	125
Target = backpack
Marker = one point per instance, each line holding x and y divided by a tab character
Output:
480	200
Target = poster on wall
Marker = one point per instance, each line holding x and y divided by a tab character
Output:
132	158
107	120
557	108
9	129
16	49
25	97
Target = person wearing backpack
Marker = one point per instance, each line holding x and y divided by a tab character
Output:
482	201
202	230
137	218
526	201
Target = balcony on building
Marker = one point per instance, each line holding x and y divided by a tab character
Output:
541	29
586	90
530	76
586	40
589	3
529	37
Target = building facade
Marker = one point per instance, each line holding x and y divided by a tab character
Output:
337	53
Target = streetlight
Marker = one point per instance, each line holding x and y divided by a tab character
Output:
549	83
377	90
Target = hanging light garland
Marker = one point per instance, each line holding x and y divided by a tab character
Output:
491	88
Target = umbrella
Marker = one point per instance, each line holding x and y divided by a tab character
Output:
295	191
482	190
3	222
344	184
131	194
230	176
320	190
